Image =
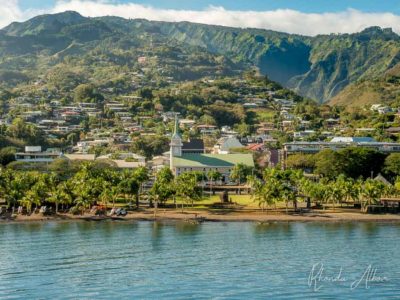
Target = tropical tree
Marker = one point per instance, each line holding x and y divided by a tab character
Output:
36	194
187	186
240	172
60	195
317	191
163	187
140	175
371	192
267	191
392	164
128	184
397	184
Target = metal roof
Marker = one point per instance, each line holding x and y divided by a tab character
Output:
213	160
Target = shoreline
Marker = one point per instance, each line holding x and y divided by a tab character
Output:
193	216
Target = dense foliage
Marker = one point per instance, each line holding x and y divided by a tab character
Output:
317	67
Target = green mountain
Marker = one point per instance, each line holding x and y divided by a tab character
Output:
381	90
317	67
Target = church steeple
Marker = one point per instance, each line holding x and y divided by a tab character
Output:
176	141
176	129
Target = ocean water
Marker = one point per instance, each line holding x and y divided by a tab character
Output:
237	260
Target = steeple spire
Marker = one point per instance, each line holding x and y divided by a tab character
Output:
176	128
176	142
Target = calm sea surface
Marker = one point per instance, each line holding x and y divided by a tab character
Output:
146	260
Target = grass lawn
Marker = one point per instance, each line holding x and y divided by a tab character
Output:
244	200
206	202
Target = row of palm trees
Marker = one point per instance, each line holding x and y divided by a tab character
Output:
92	184
291	185
89	185
95	184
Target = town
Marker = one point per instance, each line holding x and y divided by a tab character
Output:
199	149
227	130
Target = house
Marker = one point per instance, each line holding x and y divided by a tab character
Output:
224	144
393	130
265	128
181	162
84	146
227	130
34	154
250	105
186	123
256	147
365	129
80	157
339	143
340	139
303	134
207	129
331	122
159	162
125	156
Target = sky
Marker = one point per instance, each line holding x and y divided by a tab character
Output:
308	17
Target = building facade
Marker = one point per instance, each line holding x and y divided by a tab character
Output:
181	161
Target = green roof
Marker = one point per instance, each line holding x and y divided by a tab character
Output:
213	160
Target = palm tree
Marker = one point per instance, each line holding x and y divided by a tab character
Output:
268	191
317	191
257	192
82	200
60	195
140	175
371	192
187	186
163	187
128	184
239	173
295	179
37	192
336	191
289	195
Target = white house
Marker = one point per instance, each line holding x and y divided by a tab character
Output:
35	154
224	145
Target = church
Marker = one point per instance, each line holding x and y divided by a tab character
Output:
182	161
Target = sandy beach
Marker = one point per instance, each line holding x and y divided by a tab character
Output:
218	216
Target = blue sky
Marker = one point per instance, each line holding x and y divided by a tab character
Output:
315	6
307	17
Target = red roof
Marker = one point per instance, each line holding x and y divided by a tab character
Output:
255	147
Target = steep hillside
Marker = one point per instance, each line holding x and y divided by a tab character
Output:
385	89
316	67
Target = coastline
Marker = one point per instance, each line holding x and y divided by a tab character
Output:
195	216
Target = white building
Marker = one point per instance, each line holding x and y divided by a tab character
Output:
181	162
35	154
224	145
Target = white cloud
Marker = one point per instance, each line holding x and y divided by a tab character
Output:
285	20
9	12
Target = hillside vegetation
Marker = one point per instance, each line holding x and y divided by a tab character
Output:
103	48
384	90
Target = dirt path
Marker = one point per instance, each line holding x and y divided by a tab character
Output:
216	216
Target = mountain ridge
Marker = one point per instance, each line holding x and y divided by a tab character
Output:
319	67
